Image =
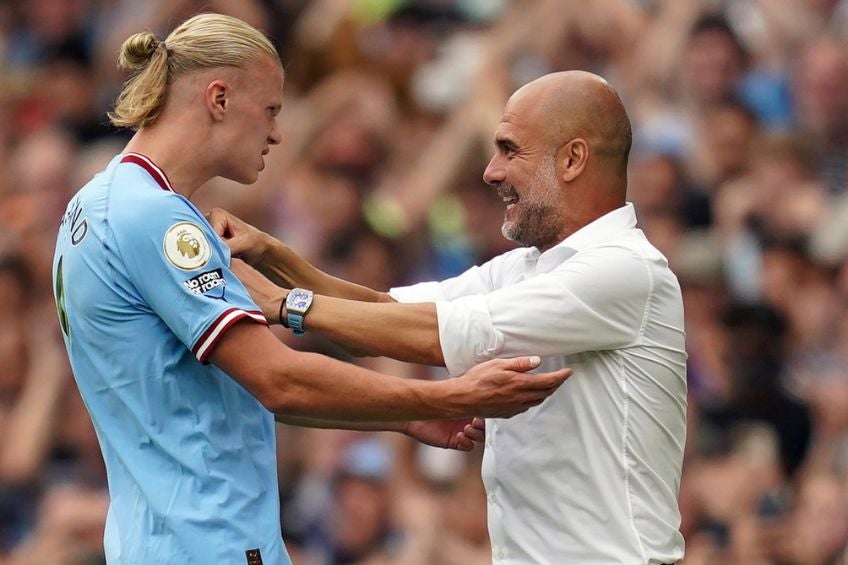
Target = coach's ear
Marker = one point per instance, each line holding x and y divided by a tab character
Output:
217	94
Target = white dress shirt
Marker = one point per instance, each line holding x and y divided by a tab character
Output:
590	476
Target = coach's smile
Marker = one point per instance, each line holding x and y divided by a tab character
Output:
508	194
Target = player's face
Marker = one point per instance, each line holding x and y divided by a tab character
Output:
253	120
524	173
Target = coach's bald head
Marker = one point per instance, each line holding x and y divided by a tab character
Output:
579	104
563	144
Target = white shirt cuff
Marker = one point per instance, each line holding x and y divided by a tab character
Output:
466	333
421	292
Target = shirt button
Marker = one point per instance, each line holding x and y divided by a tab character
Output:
499	554
492	499
488	442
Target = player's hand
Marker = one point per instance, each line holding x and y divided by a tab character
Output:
265	294
476	430
245	241
502	388
447	434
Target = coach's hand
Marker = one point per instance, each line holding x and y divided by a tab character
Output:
475	430
502	388
449	434
245	241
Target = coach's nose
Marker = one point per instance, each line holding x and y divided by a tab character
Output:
495	171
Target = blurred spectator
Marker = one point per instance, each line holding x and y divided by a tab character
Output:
821	91
756	358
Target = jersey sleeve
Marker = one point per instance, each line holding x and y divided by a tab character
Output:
180	270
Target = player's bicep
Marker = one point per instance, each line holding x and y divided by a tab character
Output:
252	355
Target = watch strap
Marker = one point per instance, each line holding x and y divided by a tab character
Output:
281	315
295	321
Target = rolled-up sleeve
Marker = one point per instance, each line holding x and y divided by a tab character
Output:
595	301
421	292
467	333
465	325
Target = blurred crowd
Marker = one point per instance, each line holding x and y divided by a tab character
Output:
739	173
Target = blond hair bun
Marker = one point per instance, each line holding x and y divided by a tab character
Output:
137	51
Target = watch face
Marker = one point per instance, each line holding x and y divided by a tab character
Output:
298	300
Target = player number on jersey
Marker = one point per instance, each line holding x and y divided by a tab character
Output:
60	300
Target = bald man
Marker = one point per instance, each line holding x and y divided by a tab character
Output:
590	476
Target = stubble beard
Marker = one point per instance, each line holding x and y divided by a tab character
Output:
536	223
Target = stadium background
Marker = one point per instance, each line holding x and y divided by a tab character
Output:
738	172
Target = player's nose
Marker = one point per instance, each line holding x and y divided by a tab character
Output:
275	137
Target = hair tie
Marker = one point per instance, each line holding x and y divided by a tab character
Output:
163	46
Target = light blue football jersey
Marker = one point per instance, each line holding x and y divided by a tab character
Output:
144	291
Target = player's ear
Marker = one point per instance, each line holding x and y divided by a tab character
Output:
217	98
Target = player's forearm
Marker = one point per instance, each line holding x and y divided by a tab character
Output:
290	270
318	388
341	424
407	332
292	383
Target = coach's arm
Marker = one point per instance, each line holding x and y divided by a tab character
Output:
362	320
407	332
282	265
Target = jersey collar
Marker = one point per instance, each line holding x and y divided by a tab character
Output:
145	163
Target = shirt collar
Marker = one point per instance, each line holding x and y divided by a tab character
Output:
601	230
152	169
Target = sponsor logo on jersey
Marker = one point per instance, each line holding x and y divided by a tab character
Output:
204	282
186	247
